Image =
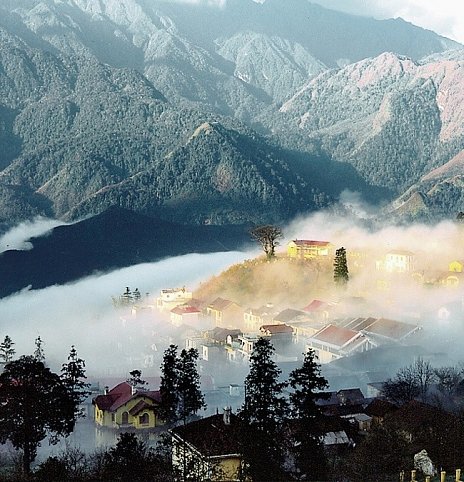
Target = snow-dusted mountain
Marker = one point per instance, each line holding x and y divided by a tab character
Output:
393	118
99	100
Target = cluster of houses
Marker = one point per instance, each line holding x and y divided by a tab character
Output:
224	333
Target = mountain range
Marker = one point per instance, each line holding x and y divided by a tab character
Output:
193	113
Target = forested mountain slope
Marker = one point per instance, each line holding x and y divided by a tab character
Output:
392	118
79	136
156	106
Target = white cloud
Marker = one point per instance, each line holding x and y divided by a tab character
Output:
82	313
18	237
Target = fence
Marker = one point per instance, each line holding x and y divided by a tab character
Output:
443	477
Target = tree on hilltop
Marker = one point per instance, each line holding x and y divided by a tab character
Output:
267	236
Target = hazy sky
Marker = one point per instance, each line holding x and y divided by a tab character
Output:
445	17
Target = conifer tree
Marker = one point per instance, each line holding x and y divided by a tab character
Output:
39	353
180	391
307	383
263	414
136	295
7	352
341	276
191	399
73	376
127	297
168	387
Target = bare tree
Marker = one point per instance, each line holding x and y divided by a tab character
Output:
410	382
267	236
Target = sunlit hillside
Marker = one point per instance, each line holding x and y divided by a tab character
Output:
282	281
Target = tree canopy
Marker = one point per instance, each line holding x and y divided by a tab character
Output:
35	403
341	276
267	236
263	413
180	391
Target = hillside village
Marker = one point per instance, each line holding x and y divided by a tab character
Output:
361	343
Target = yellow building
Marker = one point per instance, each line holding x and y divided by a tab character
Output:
456	266
209	448
225	313
308	249
124	407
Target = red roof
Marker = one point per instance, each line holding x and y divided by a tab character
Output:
315	305
185	310
309	242
220	304
277	329
335	335
121	394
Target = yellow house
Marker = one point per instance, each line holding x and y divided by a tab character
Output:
225	313
209	448
307	249
456	266
126	407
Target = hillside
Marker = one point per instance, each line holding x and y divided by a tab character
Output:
441	193
245	60
393	119
114	239
283	282
88	136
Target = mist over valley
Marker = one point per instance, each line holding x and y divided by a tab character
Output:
231	186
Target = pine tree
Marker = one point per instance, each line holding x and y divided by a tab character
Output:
126	297
73	376
168	387
263	414
7	352
307	383
341	276
39	353
191	400
181	396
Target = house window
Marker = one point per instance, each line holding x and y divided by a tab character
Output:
125	418
112	417
144	419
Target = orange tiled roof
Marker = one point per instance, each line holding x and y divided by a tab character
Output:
335	335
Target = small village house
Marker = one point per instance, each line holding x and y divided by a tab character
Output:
225	313
308	249
185	314
333	342
172	297
254	318
125	407
397	261
209	448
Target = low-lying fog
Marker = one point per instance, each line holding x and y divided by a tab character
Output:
112	341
